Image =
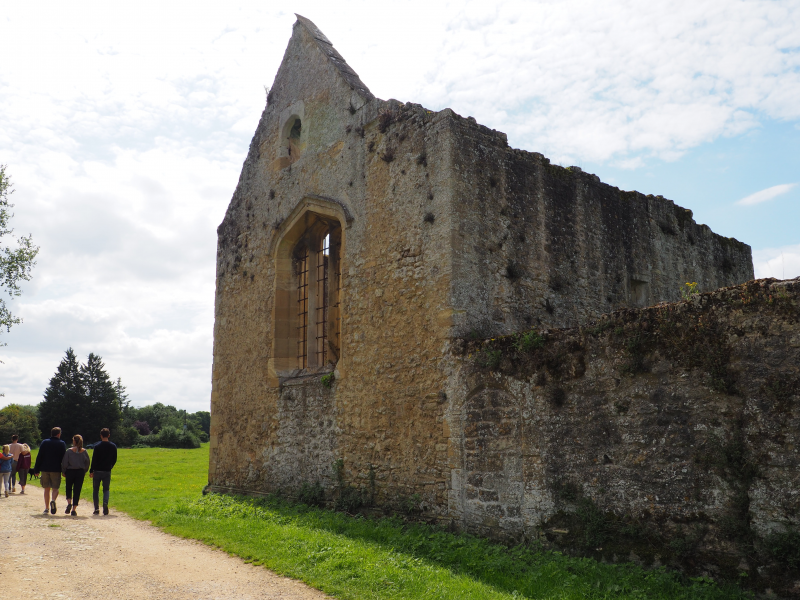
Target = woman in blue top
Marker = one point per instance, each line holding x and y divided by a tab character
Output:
6	460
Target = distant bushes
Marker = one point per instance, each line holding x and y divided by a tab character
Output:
19	420
167	437
125	436
170	437
162	426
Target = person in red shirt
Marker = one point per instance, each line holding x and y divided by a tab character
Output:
23	466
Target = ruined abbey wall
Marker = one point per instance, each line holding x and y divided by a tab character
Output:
445	232
539	244
668	434
447	236
272	427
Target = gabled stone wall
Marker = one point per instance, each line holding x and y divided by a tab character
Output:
382	170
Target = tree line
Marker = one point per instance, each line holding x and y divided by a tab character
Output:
82	398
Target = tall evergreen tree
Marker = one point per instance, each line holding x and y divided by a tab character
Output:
80	399
101	394
64	402
122	395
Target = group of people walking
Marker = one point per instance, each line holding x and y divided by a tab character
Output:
15	461
55	460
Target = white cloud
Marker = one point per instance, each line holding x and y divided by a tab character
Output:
605	80
780	263
125	126
767	194
126	269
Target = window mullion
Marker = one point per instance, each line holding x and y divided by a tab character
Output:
321	338
302	310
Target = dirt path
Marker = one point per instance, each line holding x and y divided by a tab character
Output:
65	557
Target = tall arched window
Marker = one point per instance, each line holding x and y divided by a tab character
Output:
307	317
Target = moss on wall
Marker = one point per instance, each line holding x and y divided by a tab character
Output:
666	435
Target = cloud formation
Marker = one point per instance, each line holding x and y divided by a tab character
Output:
767	194
125	127
780	263
605	81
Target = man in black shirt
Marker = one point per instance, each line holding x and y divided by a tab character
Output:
103	460
48	463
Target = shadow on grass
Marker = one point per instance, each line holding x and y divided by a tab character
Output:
521	571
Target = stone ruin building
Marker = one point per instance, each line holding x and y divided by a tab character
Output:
370	253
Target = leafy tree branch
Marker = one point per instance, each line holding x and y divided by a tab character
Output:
16	260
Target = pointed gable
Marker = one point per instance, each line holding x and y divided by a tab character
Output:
312	96
336	59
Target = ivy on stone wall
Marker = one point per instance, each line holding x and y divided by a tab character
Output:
686	332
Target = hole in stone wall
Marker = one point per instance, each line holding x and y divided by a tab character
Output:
513	271
292	139
639	292
294	132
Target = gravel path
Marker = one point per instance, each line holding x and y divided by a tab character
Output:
65	557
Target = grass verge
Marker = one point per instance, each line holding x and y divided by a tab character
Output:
358	558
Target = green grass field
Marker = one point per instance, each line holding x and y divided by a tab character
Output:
358	558
148	481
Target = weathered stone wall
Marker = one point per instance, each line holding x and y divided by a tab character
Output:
445	231
541	245
274	429
670	432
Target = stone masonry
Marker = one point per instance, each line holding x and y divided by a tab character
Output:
366	244
667	434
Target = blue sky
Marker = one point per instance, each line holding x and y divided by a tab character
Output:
711	178
124	127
